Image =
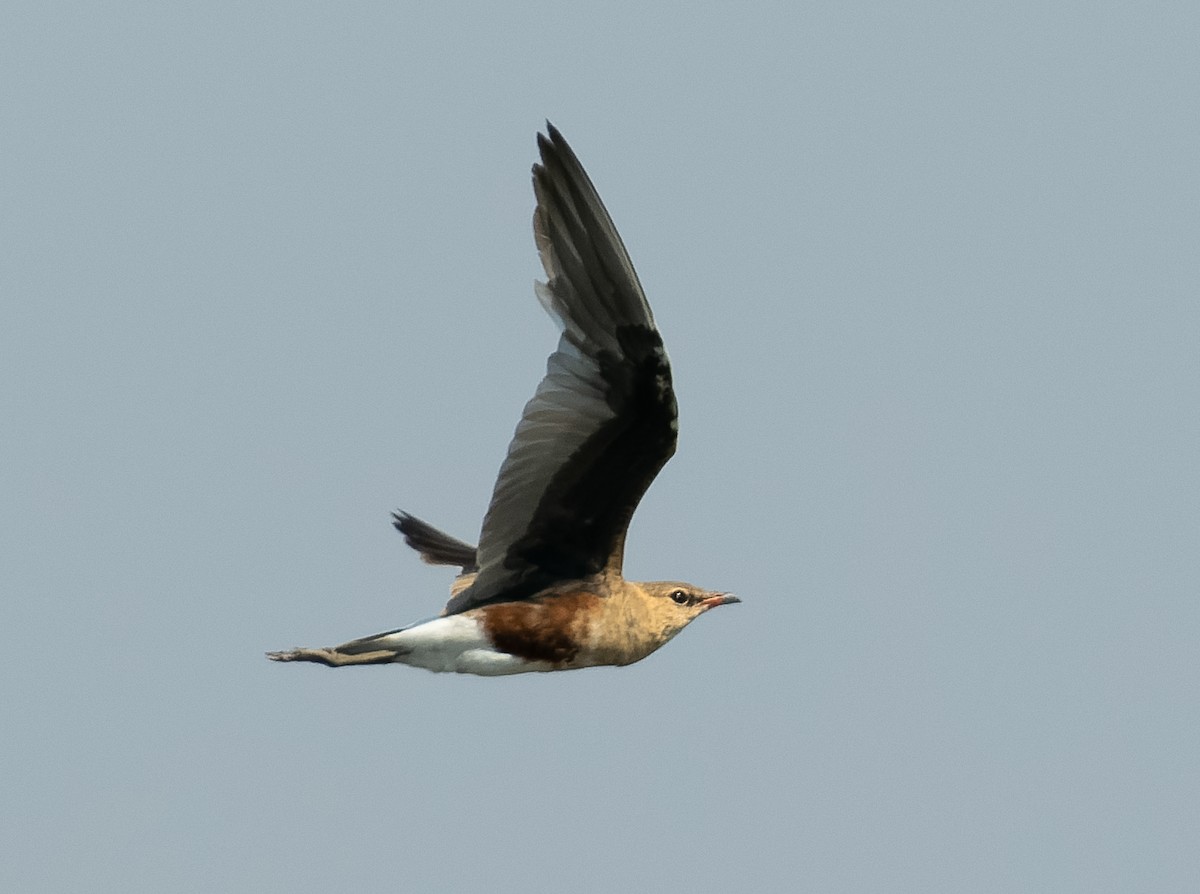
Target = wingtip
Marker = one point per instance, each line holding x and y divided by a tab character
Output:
552	143
547	144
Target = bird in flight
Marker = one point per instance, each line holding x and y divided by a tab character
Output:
543	591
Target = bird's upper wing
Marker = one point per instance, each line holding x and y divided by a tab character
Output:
436	547
602	422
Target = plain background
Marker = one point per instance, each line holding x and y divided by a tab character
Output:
928	276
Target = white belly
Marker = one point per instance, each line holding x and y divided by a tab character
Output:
456	644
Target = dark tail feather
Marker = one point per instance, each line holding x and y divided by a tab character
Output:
435	547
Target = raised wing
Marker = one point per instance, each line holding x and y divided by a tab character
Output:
436	547
602	422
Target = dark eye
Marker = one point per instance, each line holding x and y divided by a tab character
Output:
680	597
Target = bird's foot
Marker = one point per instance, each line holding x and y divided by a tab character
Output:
320	656
335	658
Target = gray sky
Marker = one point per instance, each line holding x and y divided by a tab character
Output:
928	276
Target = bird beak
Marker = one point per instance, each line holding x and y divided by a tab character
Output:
719	599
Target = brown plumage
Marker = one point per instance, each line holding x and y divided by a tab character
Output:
552	628
544	588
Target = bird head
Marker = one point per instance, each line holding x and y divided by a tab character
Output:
671	605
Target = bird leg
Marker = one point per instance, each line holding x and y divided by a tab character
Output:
334	658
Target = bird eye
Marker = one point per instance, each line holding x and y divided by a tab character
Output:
680	597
